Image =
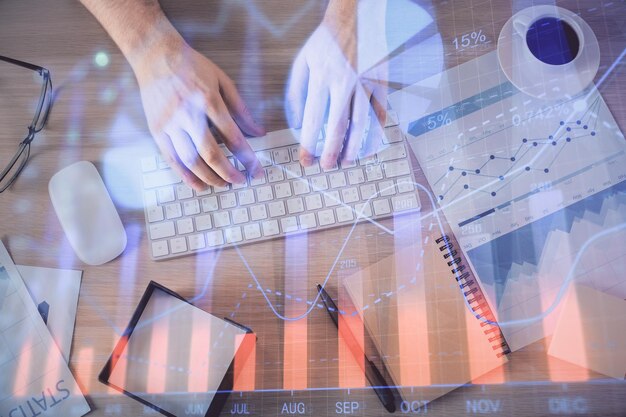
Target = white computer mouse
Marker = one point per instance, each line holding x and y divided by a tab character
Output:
87	214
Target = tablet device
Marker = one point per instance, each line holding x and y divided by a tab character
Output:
173	355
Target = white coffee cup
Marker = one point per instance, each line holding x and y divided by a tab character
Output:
522	23
541	79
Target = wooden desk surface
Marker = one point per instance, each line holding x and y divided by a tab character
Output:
98	117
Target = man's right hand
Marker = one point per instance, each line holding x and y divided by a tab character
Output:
182	92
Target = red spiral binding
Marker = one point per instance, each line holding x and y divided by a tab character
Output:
472	292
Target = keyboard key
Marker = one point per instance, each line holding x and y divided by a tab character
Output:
240	215
184	226
337	180
392	118
178	245
162	163
160	248
319	183
196	241
214	238
246	197
233	235
348	164
155	214
392	152
265	158
281	155
294	153
258	181
270	228
293	171
313	202
276	208
368	191
209	204
150	198
381	207
374	172
203	222
239	165
355	176
184	192
191	207
301	187
160	178
282	190
258	212
252	231
274	174
264	194
313	169
344	214
404	202
326	217
204	192
307	221
331	198
295	205
363	210
173	211
228	200
393	135
166	194
405	185
350	195
333	167
221	189
221	219
289	224
239	186
148	164
387	188
397	168
161	230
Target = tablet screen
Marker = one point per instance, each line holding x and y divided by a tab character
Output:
174	354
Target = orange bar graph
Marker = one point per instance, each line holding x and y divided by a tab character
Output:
23	374
84	368
157	377
413	337
200	347
245	364
351	344
295	332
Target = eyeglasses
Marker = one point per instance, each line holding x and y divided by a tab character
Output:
10	173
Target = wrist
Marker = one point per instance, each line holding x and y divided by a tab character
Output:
160	42
341	14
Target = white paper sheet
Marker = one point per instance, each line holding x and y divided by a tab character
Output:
59	289
34	378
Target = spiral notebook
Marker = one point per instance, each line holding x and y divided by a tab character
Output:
428	319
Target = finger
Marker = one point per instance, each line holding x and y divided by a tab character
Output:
234	141
379	102
337	125
166	147
297	91
358	124
188	155
312	120
238	108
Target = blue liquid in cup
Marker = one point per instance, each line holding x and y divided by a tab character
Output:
553	41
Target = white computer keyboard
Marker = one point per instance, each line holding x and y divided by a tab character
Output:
288	199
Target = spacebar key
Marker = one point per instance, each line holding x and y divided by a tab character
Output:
160	178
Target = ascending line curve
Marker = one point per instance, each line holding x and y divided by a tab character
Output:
332	268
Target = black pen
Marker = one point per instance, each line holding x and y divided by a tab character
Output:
372	374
